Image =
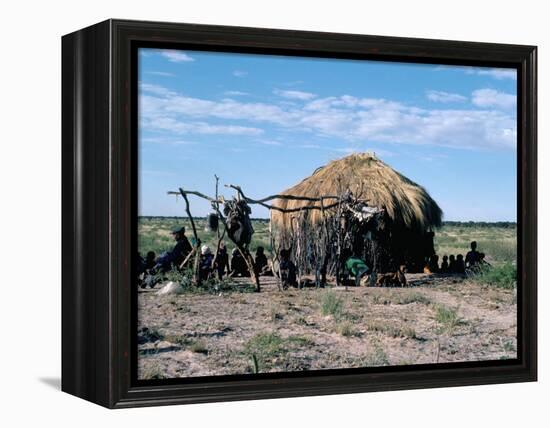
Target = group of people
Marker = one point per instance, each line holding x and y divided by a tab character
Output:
237	266
450	264
151	267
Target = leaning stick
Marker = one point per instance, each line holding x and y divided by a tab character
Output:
273	258
197	241
184	194
217	205
182	264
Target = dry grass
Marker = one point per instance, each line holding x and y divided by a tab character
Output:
273	331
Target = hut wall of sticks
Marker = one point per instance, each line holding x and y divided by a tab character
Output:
359	206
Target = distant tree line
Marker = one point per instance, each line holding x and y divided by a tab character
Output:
165	217
500	224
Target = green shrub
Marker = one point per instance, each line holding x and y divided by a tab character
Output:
332	304
504	276
264	345
447	317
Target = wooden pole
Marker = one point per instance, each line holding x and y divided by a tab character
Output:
197	240
274	257
220	238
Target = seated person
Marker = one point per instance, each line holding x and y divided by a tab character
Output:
141	266
460	268
222	261
260	262
287	269
150	260
356	268
472	257
452	264
177	255
426	268
433	263
482	260
445	265
479	265
238	264
205	263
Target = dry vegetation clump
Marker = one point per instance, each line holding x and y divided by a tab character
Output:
391	330
269	348
332	304
447	318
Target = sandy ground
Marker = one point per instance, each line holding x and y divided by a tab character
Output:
437	319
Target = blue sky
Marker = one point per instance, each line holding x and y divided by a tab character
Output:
266	122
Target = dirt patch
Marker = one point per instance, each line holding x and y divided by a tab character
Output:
440	319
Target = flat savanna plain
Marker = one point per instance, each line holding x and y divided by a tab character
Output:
439	318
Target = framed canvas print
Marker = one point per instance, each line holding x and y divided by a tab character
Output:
253	213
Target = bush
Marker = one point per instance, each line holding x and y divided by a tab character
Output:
447	317
346	329
377	357
391	330
331	304
264	347
504	276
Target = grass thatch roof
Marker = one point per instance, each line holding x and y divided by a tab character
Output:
406	203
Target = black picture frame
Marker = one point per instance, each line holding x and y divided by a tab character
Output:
99	220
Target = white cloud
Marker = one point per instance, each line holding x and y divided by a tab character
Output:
240	73
345	118
294	95
155	89
176	56
236	93
445	97
497	73
270	143
179	127
161	73
493	98
173	105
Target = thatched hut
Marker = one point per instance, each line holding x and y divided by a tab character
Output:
405	234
